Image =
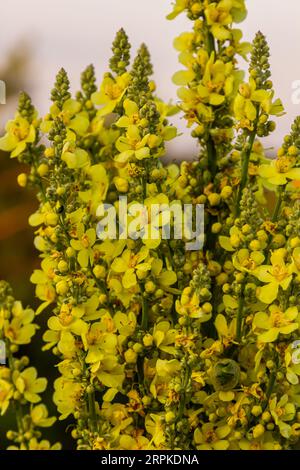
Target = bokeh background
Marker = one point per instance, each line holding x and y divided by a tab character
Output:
40	36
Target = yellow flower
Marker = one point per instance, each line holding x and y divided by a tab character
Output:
212	437
222	14
100	342
74	156
125	323
278	274
71	115
111	93
28	384
247	101
6	394
154	426
134	443
63	326
277	322
131	114
154	215
165	372
282	410
39	416
189	304
292	365
67	396
43	278
132	145
244	260
132	266
279	171
19	133
34	444
216	85
179	6
164	337
84	245
20	329
233	241
163	277
226	332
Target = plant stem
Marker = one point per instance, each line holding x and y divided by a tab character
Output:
212	157
245	165
16	403
278	206
183	398
239	318
270	388
145	310
92	411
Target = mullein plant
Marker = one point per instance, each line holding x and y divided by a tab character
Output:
158	347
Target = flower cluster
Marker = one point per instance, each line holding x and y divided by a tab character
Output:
159	347
20	386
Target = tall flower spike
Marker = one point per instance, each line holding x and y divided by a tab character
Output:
249	210
121	53
259	65
293	139
88	81
5	293
60	92
25	107
145	57
139	90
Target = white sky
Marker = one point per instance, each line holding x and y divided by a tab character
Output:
74	33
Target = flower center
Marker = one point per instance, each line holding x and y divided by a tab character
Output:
279	272
85	241
65	318
284	164
113	91
278	320
21	132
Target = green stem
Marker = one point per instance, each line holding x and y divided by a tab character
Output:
92	411
274	219
245	166
239	318
278	206
183	398
210	146
269	391
145	316
16	403
212	157
210	43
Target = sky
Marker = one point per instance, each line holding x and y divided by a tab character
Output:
75	33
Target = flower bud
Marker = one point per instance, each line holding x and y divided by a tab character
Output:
130	356
214	199
62	287
43	169
22	180
99	271
121	184
63	266
226	192
258	431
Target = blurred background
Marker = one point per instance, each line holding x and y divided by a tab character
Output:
38	37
